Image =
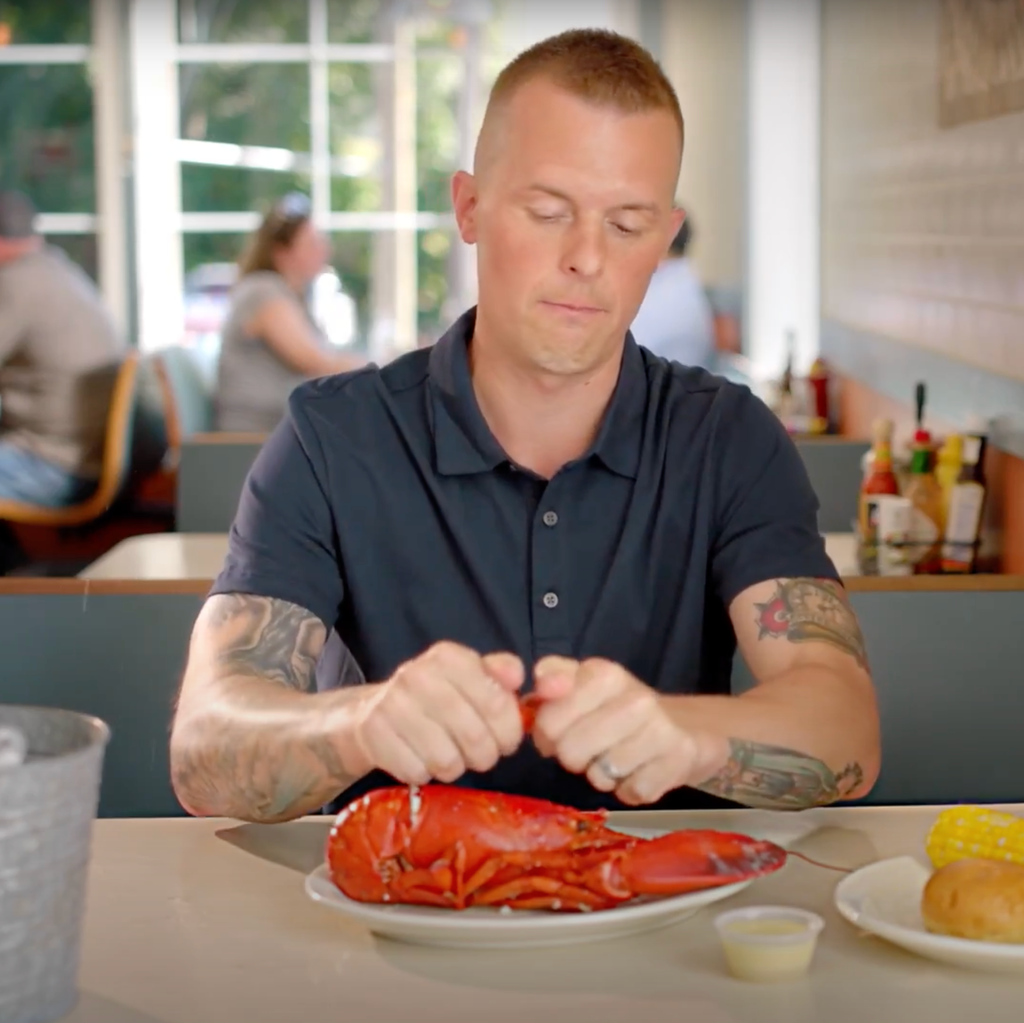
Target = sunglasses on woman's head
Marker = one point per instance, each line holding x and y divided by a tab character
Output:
293	206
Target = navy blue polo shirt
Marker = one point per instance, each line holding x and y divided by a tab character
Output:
384	505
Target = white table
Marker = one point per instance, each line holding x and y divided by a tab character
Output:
207	922
201	555
162	556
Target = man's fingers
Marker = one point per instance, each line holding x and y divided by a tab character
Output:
474	701
388	751
450	710
595	682
648	783
554	677
430	741
670	760
609	767
495	706
450	705
506	669
607	727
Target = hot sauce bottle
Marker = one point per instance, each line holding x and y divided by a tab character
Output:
879	479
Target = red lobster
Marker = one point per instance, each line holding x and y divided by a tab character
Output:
453	847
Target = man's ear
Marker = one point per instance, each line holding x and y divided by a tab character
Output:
676	221
464	201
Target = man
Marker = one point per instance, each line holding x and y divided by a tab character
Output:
534	504
59	350
675	319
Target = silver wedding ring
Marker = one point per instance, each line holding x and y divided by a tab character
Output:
610	770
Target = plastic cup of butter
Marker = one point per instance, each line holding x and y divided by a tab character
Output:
768	944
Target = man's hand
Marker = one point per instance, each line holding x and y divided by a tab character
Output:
598	719
443	713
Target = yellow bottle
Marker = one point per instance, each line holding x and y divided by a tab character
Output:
947	469
925	495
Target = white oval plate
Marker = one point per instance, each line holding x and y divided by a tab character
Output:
884	899
484	927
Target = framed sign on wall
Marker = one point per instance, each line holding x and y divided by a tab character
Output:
981	60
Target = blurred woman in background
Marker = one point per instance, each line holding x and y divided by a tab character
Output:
270	343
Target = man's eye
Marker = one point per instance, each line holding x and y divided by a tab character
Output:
623	229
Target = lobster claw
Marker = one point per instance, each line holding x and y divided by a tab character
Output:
686	861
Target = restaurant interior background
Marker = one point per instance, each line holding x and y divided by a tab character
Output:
855	174
854	170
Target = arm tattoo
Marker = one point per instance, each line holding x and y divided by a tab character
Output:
245	765
812	610
271	639
260	777
775	778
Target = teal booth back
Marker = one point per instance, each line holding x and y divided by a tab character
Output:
213	468
948	665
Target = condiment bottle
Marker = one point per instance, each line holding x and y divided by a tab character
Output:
879	479
925	494
947	468
963	521
786	402
820	381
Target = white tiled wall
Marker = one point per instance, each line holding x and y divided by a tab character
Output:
922	227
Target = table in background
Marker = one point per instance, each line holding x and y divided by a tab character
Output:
201	555
203	921
162	556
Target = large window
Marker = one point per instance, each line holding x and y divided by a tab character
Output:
46	119
152	135
368	106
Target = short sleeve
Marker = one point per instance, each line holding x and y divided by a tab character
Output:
282	543
766	509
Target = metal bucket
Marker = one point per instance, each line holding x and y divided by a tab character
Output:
47	806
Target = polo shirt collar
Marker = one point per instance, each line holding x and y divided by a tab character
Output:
463	442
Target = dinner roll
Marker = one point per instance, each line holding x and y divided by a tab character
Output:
978	899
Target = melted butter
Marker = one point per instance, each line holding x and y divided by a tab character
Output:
752	959
766	928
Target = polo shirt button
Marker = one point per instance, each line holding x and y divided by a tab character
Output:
550	518
550	599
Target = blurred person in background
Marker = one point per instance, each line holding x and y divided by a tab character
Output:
675	319
59	354
270	342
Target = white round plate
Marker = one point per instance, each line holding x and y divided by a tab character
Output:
884	899
484	927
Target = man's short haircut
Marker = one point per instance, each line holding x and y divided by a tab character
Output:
596	65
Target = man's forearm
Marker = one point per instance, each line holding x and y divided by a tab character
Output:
804	740
250	738
266	754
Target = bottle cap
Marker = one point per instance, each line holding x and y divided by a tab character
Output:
882	430
952	445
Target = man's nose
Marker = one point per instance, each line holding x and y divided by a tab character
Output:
585	249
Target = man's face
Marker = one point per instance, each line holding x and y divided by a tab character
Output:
571	212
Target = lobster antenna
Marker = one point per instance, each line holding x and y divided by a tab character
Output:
824	866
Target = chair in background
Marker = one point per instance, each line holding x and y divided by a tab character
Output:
187	397
185	400
62	541
117	451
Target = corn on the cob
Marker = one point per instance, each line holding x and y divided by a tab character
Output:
965	831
